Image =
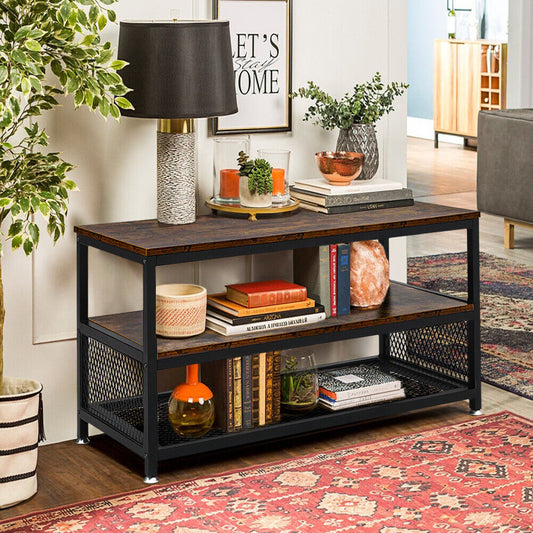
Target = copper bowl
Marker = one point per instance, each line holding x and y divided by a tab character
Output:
340	168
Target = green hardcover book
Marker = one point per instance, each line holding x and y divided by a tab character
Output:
311	269
276	387
246	392
255	390
237	393
269	396
218	376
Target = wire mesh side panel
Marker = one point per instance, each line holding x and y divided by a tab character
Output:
112	388
442	349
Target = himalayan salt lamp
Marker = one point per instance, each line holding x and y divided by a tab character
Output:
369	274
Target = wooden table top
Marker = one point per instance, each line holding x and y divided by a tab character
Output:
149	237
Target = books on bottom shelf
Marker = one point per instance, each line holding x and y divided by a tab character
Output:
353	382
246	390
337	405
225	328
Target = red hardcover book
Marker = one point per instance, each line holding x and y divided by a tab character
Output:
264	293
333	278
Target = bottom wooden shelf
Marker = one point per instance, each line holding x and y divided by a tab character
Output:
423	388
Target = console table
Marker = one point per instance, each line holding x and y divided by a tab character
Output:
428	340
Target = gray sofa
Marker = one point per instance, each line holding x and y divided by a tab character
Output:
505	167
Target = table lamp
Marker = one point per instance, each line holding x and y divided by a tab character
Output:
178	71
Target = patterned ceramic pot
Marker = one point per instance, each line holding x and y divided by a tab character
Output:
361	138
180	310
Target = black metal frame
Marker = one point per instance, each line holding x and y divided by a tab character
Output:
151	449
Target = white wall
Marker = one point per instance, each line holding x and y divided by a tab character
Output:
337	44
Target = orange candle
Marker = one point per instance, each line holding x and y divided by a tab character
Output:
278	179
229	183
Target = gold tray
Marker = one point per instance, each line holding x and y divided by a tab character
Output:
251	211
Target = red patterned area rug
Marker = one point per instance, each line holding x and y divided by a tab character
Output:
506	312
476	476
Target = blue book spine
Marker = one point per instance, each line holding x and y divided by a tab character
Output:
343	279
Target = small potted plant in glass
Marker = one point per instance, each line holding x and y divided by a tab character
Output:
255	182
355	115
299	381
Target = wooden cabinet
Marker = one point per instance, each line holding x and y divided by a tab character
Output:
467	76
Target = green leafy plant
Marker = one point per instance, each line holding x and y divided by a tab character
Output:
259	173
367	103
47	49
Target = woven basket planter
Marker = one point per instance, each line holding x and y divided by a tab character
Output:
20	433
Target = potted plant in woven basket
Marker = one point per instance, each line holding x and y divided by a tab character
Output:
355	114
255	182
47	48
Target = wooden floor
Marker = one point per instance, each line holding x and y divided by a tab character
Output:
70	473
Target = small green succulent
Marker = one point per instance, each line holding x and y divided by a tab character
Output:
258	172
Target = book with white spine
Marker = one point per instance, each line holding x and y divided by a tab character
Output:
363	400
357	186
226	329
354	382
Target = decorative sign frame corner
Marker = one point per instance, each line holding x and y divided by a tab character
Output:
261	39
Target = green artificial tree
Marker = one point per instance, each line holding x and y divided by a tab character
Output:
47	49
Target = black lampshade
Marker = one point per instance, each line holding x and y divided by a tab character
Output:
178	69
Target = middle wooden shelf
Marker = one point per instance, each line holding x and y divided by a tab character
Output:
402	304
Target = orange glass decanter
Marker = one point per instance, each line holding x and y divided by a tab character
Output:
191	409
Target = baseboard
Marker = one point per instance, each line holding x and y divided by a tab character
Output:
422	128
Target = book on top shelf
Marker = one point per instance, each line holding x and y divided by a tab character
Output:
311	268
219	301
257	327
265	293
326	200
355	381
355	208
332	405
239	320
357	186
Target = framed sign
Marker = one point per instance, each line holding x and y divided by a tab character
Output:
262	56
460	5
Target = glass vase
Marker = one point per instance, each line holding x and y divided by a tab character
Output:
361	138
279	161
226	170
191	411
299	381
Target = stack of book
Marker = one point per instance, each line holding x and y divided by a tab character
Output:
357	385
261	306
325	271
319	195
246	390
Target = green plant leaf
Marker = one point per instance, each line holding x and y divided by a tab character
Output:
118	64
124	103
32	44
16	242
33	230
24	204
28	247
15	228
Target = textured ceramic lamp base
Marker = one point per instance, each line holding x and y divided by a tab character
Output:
176	178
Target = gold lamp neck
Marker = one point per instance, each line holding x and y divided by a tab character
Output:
175	125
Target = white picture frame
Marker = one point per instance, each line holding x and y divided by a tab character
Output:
262	54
